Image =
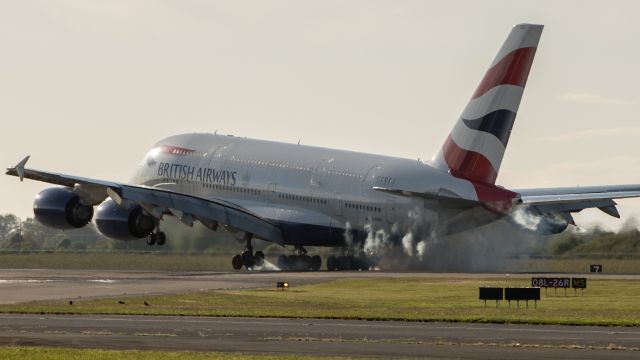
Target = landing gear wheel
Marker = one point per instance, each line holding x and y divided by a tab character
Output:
258	258
151	239
283	263
332	263
236	262
316	262
247	259
161	238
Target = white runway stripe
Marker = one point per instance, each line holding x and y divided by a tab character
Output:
479	141
500	97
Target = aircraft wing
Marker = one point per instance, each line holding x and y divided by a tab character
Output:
572	199
158	201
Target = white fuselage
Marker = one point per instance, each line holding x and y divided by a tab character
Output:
313	193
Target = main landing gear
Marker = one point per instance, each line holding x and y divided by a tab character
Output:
350	262
248	258
300	261
156	237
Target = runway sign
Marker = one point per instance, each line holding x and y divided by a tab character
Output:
529	293
491	293
524	294
283	285
579	283
595	268
550	282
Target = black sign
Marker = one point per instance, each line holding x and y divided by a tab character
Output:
490	293
532	293
550	282
579	283
282	285
595	267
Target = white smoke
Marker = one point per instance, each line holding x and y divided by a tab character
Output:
407	243
526	219
377	241
266	266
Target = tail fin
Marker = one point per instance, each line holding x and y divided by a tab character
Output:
476	145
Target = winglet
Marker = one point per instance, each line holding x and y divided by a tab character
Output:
20	167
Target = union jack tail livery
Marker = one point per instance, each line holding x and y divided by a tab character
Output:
476	145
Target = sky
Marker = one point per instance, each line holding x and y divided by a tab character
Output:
86	87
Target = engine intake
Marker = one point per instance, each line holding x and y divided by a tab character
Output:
61	208
123	224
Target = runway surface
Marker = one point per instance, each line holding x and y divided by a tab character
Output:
322	337
279	336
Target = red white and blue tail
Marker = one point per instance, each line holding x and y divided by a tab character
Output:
476	145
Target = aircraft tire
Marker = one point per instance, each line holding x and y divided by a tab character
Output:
332	263
236	262
151	239
247	259
161	238
282	262
316	262
259	258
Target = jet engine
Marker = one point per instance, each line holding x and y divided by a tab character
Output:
61	208
123	224
541	223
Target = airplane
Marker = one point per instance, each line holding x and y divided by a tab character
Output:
301	196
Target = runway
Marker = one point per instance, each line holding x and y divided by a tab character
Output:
281	336
326	337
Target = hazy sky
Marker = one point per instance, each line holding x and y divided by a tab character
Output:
87	86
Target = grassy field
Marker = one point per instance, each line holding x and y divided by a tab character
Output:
222	262
605	302
11	353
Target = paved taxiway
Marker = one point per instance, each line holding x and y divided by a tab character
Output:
326	337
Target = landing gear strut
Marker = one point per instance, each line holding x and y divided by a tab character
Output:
248	259
300	261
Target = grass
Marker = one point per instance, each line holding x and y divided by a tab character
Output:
11	353
605	302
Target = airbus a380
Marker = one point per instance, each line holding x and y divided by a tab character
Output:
301	196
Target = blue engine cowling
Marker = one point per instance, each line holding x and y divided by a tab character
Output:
61	208
123	224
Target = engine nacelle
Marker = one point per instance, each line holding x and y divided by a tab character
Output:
61	208
123	224
531	219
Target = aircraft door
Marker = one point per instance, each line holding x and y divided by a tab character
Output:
337	205
271	192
